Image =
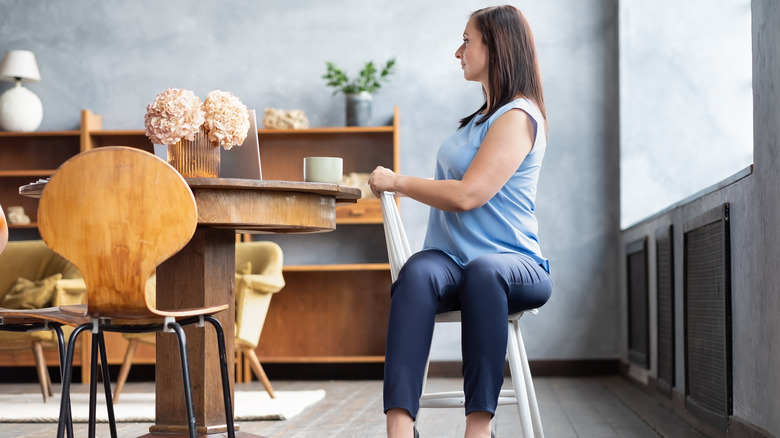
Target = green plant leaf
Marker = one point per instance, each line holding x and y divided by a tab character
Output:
369	78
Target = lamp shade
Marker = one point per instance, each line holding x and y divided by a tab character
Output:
19	64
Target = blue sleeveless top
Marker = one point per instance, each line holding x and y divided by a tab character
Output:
506	223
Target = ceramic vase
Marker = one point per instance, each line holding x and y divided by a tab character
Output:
359	108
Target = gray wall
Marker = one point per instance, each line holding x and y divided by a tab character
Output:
755	253
114	57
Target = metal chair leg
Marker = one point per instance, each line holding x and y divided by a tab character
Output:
61	350
93	387
66	377
185	372
107	384
225	375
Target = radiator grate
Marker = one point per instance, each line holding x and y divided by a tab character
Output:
708	317
638	328
665	309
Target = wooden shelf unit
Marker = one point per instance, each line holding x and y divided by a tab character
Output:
327	313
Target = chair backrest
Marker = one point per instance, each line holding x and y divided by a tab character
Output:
3	230
116	213
398	249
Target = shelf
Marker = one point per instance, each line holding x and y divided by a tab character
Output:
5	134
345	267
31	225
326	313
327	130
30	172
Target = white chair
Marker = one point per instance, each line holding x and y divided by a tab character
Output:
522	394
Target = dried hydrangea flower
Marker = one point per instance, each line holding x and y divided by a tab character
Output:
175	114
227	119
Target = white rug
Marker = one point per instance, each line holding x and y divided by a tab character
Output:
139	407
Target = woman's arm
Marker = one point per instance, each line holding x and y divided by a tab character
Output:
503	149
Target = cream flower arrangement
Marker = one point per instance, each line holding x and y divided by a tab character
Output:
175	114
178	114
227	119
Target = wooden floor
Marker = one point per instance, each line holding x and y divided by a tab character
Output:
598	407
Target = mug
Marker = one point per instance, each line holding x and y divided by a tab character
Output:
323	169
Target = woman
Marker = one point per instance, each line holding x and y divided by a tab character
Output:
481	253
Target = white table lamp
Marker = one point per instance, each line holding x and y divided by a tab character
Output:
20	108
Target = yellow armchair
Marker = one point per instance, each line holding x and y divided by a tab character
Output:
258	277
32	274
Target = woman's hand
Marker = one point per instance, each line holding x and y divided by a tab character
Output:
382	179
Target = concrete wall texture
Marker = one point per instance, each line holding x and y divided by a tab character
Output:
113	58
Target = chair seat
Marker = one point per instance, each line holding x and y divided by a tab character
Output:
30	316
155	315
454	315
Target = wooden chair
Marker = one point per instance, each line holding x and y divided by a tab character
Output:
258	278
522	394
117	213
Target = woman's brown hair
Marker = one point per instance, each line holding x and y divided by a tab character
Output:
513	67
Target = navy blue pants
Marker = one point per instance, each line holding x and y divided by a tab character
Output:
486	291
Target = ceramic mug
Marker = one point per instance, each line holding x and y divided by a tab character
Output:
322	169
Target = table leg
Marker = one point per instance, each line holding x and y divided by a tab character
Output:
201	274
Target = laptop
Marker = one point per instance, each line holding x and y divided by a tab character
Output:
239	162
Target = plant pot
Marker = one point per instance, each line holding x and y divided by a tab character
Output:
359	108
198	158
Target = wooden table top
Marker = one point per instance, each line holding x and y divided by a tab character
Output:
259	206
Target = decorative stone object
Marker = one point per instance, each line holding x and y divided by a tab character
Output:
359	180
17	216
280	119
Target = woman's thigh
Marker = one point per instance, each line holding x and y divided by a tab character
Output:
525	284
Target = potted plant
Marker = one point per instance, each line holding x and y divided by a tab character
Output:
358	91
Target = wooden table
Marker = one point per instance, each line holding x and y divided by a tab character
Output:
203	274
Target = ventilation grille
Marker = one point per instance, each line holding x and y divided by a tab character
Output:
708	317
665	304
638	329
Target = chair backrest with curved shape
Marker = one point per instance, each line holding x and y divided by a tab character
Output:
3	230
117	213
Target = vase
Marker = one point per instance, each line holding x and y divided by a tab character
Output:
198	158
359	108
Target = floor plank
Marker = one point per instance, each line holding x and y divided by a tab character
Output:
571	407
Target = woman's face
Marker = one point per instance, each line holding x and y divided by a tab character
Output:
473	55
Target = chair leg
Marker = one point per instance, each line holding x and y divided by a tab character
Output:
101	340
93	387
518	382
536	418
185	372
239	361
43	373
61	350
258	369
225	375
63	422
125	370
